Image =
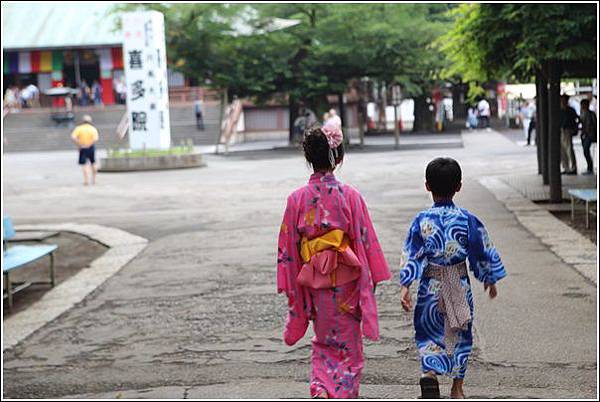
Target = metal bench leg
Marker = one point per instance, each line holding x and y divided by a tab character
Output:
52	276
587	214
572	208
9	294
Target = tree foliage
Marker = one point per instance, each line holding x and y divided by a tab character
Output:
333	45
514	40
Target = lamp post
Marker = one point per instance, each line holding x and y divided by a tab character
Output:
396	100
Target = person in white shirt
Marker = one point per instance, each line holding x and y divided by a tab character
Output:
528	114
198	108
29	94
483	108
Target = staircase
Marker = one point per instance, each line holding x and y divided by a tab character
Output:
33	130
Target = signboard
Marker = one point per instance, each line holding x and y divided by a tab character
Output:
146	80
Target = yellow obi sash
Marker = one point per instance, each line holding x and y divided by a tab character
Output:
328	261
335	238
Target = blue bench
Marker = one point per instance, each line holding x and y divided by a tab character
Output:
16	257
587	195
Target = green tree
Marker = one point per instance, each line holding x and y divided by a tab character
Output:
332	47
520	41
515	40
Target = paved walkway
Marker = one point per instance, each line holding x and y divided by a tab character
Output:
196	314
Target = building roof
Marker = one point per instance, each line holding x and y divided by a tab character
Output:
58	25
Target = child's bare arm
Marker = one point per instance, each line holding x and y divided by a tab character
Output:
405	299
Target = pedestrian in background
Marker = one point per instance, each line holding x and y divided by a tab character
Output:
85	137
528	117
440	241
97	92
311	117
121	91
198	112
334	118
328	264
569	122
84	94
11	100
589	133
483	109
472	117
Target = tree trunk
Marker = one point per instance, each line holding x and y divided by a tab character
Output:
396	128
380	108
541	124
342	108
554	132
224	100
538	146
423	116
459	108
362	119
292	115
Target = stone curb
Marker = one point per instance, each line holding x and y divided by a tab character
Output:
564	241
162	162
123	247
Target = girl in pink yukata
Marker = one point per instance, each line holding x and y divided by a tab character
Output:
329	262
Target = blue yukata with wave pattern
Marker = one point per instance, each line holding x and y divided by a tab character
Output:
446	235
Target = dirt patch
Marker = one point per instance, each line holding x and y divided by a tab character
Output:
74	253
579	223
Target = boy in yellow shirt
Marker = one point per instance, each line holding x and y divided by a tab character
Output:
85	136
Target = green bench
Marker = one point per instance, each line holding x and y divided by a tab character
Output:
586	195
15	257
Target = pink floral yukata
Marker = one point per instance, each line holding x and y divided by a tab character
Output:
337	312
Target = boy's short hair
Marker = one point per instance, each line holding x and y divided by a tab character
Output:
443	175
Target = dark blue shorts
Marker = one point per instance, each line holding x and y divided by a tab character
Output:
86	154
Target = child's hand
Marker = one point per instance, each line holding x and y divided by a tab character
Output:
492	289
405	298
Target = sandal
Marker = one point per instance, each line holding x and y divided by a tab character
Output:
430	388
321	395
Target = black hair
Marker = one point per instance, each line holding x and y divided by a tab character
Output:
443	176
316	149
565	97
585	102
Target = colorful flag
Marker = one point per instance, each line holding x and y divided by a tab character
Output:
24	62
117	58
35	61
57	60
13	63
45	61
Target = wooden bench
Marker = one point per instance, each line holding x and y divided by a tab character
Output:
587	195
15	257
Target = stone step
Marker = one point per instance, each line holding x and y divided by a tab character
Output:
35	131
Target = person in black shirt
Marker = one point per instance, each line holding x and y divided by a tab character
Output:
589	133
569	121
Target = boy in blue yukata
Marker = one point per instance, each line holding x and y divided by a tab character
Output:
440	241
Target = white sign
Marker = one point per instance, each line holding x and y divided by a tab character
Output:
145	60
